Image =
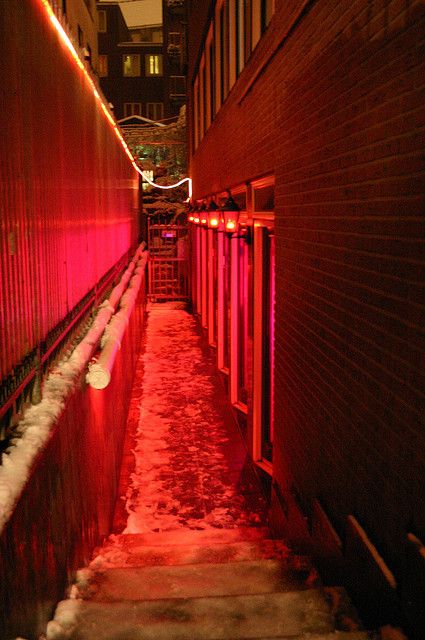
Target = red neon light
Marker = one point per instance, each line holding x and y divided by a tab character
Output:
68	43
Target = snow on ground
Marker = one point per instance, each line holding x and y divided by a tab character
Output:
188	467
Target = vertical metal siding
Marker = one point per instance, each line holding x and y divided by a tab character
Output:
66	190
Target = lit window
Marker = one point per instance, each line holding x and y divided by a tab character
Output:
102	21
154	110
132	109
153	65
103	66
131	65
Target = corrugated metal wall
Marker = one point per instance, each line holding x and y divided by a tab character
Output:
68	193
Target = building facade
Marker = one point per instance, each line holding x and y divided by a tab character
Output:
309	114
141	69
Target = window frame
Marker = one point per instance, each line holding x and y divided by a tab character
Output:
154	105
133	104
135	56
102	22
155	58
103	61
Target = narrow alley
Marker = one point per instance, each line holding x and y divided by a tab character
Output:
212	336
191	554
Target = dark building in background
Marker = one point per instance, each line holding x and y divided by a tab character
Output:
311	115
175	54
142	69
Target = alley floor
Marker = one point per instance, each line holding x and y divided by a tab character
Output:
190	556
185	464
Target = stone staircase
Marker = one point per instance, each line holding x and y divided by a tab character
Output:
216	584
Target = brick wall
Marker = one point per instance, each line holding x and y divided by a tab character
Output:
333	102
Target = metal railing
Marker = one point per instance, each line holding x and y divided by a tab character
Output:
168	262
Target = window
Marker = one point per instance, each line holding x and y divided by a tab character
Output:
263	197
232	42
247	28
131	65
102	21
256	22
202	91
262	11
155	110
153	64
266	13
222	56
263	321
132	109
240	35
211	78
196	111
103	66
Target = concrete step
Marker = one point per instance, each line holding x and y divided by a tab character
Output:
198	536
333	635
272	615
130	551
195	580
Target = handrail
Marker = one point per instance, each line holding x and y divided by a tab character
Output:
43	357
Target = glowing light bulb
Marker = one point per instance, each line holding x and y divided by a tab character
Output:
191	218
196	220
204	221
214	222
230	225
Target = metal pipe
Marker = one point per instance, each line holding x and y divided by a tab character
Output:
99	373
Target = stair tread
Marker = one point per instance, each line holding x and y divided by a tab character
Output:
214	618
183	536
129	550
332	635
196	580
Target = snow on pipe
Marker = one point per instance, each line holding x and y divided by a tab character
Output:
99	373
34	428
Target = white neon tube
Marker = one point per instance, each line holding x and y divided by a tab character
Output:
162	186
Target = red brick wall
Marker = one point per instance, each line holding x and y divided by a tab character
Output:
338	114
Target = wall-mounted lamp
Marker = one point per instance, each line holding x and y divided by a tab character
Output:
213	215
230	214
203	214
190	212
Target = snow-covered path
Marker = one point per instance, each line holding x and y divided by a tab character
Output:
188	468
190	557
